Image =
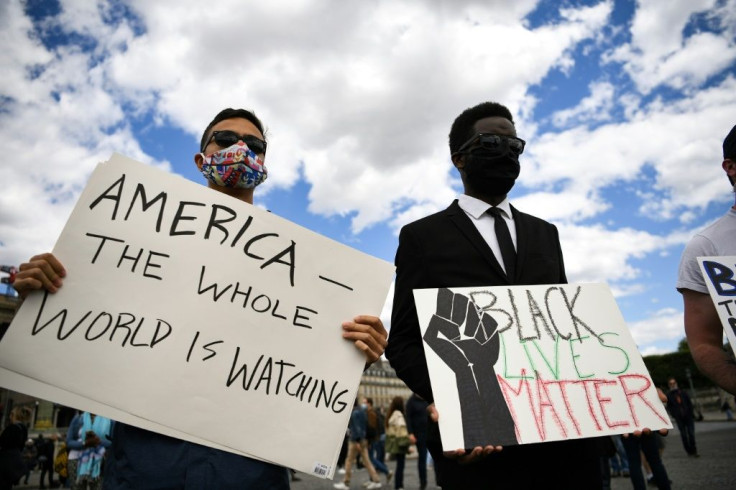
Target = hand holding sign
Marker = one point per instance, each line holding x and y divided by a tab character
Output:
43	271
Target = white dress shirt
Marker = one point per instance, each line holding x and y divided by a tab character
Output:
484	222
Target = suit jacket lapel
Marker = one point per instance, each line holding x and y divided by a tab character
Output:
470	232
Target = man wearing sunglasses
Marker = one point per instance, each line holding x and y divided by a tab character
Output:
467	245
231	157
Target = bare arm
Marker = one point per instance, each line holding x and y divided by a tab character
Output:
705	336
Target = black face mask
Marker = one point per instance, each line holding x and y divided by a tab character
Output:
489	173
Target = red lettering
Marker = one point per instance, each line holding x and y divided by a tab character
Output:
505	388
586	383
630	393
545	403
603	401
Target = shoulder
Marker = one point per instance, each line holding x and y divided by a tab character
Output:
531	220
433	219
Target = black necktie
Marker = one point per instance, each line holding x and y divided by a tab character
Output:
504	242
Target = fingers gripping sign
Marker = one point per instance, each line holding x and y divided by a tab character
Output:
368	334
43	271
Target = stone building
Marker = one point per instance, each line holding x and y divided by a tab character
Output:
380	383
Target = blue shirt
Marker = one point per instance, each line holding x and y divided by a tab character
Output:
358	424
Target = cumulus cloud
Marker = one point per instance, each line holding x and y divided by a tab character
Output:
595	107
660	53
358	99
665	324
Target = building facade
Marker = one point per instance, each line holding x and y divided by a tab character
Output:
380	383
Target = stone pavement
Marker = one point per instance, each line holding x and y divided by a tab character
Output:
714	470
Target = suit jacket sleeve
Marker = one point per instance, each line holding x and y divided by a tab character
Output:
404	350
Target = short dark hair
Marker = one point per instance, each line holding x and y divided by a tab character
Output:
231	114
462	128
729	145
729	148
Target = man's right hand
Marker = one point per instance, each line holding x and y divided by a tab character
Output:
43	271
462	457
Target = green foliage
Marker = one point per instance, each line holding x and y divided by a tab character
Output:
675	364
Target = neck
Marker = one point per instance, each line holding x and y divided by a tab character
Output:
236	192
492	200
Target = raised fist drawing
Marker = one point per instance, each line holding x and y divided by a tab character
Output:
468	344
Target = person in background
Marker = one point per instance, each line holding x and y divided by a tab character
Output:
231	158
646	445
88	439
373	435
61	460
381	445
45	447
619	461
681	408
396	428
703	327
417	419
12	441
358	445
30	458
725	407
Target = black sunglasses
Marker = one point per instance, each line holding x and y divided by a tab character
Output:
495	142
227	138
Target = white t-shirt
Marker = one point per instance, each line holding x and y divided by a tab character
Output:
716	240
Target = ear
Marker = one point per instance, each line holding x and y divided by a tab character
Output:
199	160
458	159
729	166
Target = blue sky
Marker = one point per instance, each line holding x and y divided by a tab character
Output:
624	106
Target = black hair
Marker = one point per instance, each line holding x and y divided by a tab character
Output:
396	404
729	145
462	128
231	114
729	148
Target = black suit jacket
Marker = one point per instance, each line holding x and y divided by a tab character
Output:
446	250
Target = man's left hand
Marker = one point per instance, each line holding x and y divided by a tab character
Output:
368	334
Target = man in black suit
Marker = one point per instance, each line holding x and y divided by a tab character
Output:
467	245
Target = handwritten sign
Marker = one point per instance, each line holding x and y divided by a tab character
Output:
527	364
720	277
183	305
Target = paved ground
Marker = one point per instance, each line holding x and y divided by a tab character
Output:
714	470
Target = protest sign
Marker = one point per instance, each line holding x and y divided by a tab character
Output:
526	364
719	277
202	314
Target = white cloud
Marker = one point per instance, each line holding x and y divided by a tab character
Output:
659	52
665	324
595	107
359	97
596	254
680	140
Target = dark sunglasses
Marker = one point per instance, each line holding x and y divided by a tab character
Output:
226	138
495	142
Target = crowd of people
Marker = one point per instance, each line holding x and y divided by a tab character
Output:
372	436
76	459
481	239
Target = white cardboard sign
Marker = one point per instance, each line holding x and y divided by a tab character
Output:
526	364
720	277
202	315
